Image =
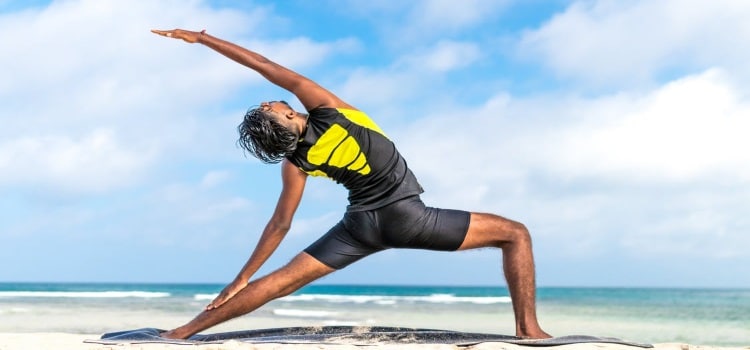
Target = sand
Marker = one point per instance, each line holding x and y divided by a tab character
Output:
68	341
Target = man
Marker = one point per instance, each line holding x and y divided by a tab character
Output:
336	140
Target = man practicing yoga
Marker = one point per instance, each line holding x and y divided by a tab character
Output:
335	140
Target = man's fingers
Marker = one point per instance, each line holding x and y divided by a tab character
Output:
167	33
216	303
213	306
228	293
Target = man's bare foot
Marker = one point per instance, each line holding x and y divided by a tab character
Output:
536	334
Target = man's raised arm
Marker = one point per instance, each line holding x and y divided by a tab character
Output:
310	94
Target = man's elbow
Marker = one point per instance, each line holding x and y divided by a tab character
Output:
280	226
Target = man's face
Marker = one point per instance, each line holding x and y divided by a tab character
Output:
280	111
276	107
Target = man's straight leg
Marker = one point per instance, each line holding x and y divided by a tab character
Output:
487	230
302	270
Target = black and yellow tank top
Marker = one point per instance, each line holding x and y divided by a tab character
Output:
348	147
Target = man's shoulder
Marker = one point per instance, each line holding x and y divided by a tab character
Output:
345	117
323	111
338	111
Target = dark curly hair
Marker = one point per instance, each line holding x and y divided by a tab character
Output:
264	137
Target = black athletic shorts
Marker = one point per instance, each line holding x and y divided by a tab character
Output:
407	223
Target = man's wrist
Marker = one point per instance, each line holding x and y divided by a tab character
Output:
201	36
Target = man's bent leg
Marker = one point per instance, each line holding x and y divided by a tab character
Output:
487	230
302	270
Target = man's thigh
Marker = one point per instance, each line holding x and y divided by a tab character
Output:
410	224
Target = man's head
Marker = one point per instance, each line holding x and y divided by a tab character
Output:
270	132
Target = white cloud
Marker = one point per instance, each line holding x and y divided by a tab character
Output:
708	224
430	16
602	173
689	129
92	163
301	51
93	99
315	226
215	178
188	213
218	210
613	42
443	57
405	23
644	171
414	74
55	221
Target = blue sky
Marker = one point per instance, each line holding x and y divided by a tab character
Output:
615	130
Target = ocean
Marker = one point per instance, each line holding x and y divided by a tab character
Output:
718	317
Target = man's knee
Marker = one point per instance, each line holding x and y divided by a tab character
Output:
520	232
512	232
494	230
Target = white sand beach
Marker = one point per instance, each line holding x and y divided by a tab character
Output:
669	319
69	341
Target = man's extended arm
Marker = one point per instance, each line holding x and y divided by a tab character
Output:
310	94
293	180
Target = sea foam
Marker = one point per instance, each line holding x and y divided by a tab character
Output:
392	299
304	313
104	294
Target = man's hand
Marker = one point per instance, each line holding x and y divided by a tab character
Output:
188	36
227	293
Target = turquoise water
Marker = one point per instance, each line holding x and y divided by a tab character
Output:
697	316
